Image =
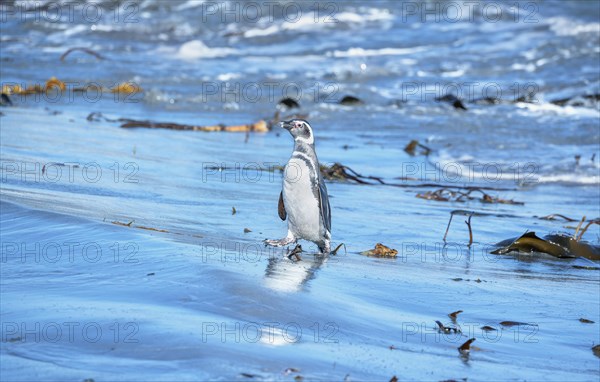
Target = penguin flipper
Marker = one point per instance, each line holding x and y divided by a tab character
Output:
324	205
281	207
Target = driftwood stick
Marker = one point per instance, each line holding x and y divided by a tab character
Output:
586	227
81	49
448	226
578	227
554	216
468	222
335	251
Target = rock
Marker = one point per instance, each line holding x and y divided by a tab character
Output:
288	102
5	100
351	101
453	100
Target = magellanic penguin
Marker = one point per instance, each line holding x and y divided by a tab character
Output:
304	200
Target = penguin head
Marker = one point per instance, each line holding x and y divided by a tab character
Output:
300	130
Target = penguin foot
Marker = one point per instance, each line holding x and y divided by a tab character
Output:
325	249
281	242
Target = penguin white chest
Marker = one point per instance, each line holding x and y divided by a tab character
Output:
300	201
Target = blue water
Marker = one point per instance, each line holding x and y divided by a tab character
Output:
122	260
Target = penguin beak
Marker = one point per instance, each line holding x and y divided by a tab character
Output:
286	125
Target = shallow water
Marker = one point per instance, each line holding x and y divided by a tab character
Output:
122	259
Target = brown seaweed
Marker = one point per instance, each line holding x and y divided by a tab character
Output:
509	324
126	88
260	126
380	250
454	315
338	171
52	83
447	195
446	329
411	148
466	347
557	245
146	228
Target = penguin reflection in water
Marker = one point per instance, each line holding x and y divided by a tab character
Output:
303	199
